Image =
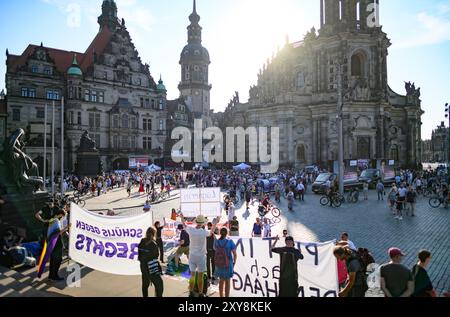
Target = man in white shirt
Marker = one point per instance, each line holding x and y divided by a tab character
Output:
197	250
344	238
301	191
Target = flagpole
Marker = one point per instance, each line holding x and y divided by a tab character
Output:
53	150
62	145
45	148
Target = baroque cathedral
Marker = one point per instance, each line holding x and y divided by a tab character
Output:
297	91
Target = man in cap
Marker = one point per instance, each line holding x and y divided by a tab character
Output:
396	279
289	257
197	251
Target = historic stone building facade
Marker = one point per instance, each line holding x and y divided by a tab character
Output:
439	144
108	91
297	91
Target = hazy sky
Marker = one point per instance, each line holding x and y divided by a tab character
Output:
240	35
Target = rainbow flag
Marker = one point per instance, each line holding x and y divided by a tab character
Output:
49	246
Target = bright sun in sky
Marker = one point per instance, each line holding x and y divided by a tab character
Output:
249	35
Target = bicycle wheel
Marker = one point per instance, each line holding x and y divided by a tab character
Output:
337	202
262	214
427	193
435	202
81	203
276	212
324	201
276	220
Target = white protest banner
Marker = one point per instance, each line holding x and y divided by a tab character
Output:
200	201
257	270
107	244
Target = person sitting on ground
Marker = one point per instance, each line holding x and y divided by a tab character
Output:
147	206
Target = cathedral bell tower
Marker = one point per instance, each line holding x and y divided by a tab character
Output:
194	61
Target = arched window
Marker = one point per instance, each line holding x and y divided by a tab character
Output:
358	63
301	154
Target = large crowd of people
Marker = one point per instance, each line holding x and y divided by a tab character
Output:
212	254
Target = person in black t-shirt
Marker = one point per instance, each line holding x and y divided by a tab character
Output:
184	245
289	257
210	253
159	241
150	267
422	283
45	215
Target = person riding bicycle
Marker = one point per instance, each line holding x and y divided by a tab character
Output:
330	193
266	202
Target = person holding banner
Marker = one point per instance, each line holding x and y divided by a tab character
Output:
197	251
289	257
150	266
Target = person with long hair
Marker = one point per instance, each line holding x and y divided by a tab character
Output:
422	283
150	266
225	261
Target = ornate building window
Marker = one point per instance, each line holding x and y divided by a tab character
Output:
147	143
115	141
161	125
34	68
125	123
47	70
71	118
101	97
16	115
93	96
301	154
161	104
94	120
394	153
147	124
133	142
40	114
133	122
363	148
87	95
115	121
52	95
125	142
358	64
24	92
79	118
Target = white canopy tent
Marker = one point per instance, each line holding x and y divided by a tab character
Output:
153	168
242	167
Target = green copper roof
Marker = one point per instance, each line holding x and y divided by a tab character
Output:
74	70
160	85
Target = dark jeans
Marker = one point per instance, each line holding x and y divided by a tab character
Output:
210	263
56	260
301	195
380	195
159	242
156	280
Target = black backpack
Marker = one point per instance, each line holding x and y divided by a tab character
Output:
365	258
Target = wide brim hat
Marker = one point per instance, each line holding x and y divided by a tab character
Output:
200	219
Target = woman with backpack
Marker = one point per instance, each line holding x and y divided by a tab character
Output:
225	260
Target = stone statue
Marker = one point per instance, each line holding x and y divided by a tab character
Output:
19	164
411	90
86	143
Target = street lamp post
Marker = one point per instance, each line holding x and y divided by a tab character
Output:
340	131
447	115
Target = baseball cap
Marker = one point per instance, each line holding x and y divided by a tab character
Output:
393	252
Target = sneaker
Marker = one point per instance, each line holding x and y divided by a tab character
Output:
56	279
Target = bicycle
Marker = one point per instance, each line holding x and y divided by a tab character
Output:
353	196
335	198
436	202
262	211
